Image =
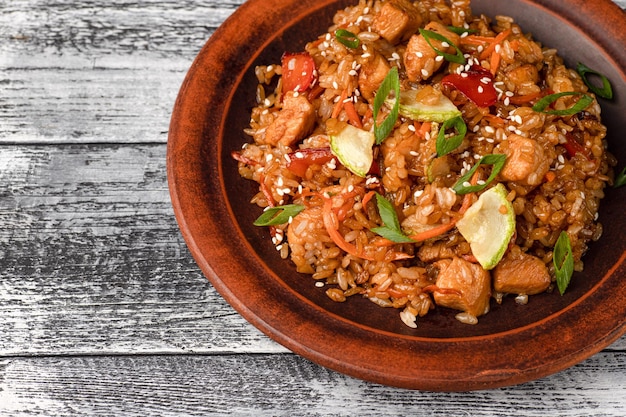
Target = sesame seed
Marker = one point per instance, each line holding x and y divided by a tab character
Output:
411	128
439	58
476	128
418	193
319	284
464	74
490	129
489	140
507	101
366	55
518	119
299	155
352	73
519	132
419	54
335	85
466	184
509	94
414	153
279	247
476	156
561	159
280	182
424	72
485	80
269	157
350	188
480	89
445	44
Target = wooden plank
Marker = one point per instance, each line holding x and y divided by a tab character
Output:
93	262
92	259
281	385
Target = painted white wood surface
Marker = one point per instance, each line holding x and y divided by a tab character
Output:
103	311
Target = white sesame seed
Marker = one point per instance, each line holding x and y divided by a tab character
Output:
424	72
350	188
439	58
366	55
445	44
561	159
480	89
509	94
466	184
418	193
414	153
280	182
476	128
507	101
464	75
419	54
269	157
411	128
279	247
518	119
476	156
489	140
498	48
319	284
299	155
490	129
519	132
352	73
335	85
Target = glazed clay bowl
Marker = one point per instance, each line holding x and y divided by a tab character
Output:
512	344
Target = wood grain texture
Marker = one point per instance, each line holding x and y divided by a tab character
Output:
248	385
104	312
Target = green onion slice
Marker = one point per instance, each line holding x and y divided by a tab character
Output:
347	38
278	215
463	186
391	82
563	260
605	92
391	229
447	145
458	58
580	105
459	30
620	180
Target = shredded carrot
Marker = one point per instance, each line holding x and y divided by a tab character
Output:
339	104
550	176
368	196
395	293
517	100
425	128
332	230
496	41
353	116
315	92
434	232
494	120
494	62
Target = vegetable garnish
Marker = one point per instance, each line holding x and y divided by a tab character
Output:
458	58
391	229
353	148
620	180
447	145
563	260
347	38
476	84
278	215
298	71
460	30
606	91
463	185
391	82
300	160
417	105
580	105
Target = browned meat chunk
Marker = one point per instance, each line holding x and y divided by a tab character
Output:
526	162
524	75
420	59
521	273
397	20
294	121
372	74
470	285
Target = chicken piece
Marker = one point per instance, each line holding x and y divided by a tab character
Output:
397	20
372	74
524	74
526	162
521	273
420	59
294	121
470	283
434	252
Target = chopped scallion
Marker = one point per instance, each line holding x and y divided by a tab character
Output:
278	215
563	260
390	83
605	92
447	145
580	105
391	226
463	186
347	38
460	30
458	58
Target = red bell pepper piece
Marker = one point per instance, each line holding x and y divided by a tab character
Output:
476	84
298	71
301	159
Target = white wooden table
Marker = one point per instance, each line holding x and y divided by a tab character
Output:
102	309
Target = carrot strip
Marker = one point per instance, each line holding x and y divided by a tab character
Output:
434	232
332	230
353	116
525	98
494	120
496	41
494	62
550	176
339	104
266	192
368	196
425	128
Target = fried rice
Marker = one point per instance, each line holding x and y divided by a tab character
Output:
555	171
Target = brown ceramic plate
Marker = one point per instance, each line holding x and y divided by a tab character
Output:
511	344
